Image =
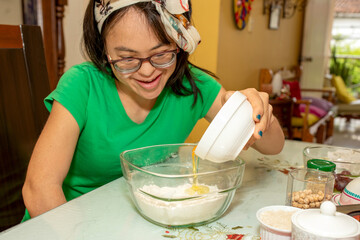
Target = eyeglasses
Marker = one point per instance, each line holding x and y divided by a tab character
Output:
159	60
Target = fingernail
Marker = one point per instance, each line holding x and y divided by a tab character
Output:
260	133
258	116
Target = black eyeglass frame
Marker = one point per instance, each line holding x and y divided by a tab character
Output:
113	62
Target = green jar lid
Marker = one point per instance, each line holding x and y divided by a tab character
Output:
322	165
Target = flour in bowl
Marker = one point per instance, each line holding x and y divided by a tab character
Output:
279	219
179	212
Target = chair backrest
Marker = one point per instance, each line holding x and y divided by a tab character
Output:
342	93
266	76
282	108
24	83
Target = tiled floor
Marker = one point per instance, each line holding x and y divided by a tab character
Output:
346	134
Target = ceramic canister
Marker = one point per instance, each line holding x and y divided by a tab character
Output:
351	193
324	224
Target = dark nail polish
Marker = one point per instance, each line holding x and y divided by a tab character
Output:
260	133
258	116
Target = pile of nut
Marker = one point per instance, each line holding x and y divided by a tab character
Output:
308	199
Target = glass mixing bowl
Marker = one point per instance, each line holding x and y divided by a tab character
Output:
347	162
166	190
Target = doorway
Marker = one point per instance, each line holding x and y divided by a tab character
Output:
315	52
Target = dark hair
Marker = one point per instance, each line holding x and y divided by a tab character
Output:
94	45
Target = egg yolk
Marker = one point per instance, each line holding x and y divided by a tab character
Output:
196	188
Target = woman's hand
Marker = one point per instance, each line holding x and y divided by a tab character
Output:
268	136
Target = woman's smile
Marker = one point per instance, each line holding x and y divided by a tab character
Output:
149	84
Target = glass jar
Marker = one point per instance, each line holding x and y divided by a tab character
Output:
308	188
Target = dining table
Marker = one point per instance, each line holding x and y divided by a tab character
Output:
109	213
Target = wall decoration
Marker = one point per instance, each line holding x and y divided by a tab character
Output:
290	7
274	19
267	6
242	9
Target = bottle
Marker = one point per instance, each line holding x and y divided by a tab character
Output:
321	177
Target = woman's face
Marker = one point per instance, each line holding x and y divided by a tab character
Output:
132	36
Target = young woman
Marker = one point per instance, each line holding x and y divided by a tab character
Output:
138	90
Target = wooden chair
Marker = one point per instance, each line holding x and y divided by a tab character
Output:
24	83
308	131
282	110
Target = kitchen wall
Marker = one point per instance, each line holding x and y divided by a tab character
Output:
242	53
206	19
10	12
74	13
236	56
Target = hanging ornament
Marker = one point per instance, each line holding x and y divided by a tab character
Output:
242	9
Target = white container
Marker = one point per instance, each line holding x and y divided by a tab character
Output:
350	194
229	131
324	224
268	231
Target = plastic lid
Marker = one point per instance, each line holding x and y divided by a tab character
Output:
326	222
322	165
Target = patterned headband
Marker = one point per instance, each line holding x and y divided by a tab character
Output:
176	25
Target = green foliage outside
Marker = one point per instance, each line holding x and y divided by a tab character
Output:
347	68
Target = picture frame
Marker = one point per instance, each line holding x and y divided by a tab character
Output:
275	15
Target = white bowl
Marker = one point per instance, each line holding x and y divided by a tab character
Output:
229	131
269	229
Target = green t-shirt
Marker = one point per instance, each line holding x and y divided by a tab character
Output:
106	130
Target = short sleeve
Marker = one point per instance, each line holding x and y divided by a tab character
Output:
72	92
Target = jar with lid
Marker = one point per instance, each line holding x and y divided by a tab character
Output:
309	187
324	224
324	166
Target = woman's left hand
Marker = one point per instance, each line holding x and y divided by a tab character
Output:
262	112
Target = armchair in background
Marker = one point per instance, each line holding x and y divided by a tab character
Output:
347	105
312	118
